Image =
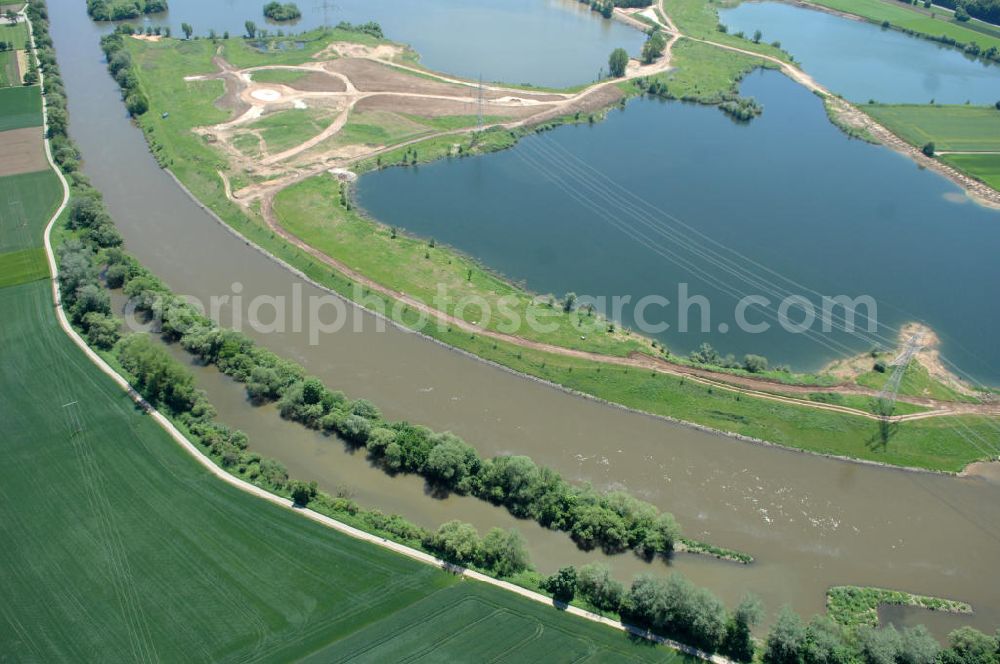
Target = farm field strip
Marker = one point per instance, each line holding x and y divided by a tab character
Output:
950	128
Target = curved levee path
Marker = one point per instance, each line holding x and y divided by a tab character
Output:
254	490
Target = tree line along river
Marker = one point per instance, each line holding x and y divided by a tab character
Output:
810	522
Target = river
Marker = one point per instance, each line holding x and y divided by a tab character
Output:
810	522
863	61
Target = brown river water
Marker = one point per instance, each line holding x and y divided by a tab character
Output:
810	522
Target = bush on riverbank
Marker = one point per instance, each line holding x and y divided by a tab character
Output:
852	605
119	10
122	70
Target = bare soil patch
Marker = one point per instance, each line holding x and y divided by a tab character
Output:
595	100
370	76
435	108
351	50
23	151
318	82
21	60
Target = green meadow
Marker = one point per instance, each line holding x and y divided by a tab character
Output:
22	107
986	167
950	128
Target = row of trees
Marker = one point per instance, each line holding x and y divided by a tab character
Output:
122	70
671	606
607	7
706	354
103	10
613	521
985	10
653	48
501	552
674	607
823	641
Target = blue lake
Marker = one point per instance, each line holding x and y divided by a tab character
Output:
787	191
542	42
861	61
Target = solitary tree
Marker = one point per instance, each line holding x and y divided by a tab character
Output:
786	639
738	641
251	29
617	62
457	541
755	363
756	36
562	584
11	16
302	492
187	30
504	552
653	48
569	302
928	149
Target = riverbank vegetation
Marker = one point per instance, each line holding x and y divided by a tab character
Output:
612	521
852	606
704	74
118	10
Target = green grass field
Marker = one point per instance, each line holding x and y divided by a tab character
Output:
22	107
8	69
700	19
283	76
286	129
26	203
916	382
958	128
901	16
986	167
473	623
707	73
22	266
17	35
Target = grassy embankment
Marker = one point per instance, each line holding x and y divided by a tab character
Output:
699	19
852	606
916	382
928	444
119	546
916	21
966	129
